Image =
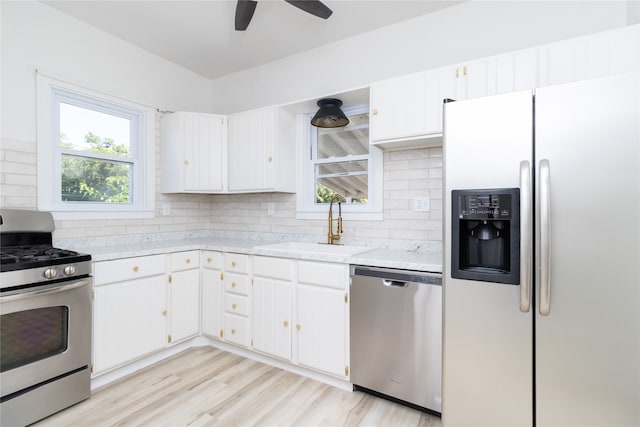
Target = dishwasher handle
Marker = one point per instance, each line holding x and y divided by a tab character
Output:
394	283
395	277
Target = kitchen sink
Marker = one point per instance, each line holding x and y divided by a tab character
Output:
318	248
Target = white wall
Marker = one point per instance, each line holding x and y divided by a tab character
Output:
35	36
459	33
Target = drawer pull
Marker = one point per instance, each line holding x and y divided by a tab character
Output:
164	312
136	268
209	260
233	263
234	306
233	284
285	323
298	326
233	331
188	260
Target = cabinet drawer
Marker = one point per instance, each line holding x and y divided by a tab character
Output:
236	304
323	274
185	260
236	262
236	283
128	269
236	329
212	260
274	268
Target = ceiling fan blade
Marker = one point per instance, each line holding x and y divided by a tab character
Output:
314	7
244	13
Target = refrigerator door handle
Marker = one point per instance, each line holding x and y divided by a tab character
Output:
545	239
525	236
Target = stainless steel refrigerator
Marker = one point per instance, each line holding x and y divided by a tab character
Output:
542	257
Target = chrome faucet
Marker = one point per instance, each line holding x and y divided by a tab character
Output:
332	237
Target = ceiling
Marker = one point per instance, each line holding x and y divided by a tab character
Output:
199	34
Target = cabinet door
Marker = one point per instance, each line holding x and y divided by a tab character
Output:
272	316
474	80
516	72
129	321
211	303
321	326
251	150
405	107
185	304
203	140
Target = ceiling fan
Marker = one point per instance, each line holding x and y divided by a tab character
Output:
245	9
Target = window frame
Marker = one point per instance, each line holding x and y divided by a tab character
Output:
50	94
306	208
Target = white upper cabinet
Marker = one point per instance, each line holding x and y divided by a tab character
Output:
193	153
261	151
405	108
596	55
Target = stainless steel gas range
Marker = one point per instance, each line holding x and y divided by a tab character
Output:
45	320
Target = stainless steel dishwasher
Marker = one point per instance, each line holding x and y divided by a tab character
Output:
396	334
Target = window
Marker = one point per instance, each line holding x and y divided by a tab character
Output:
339	163
95	154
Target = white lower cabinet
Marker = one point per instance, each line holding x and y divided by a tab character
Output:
184	296
236	285
322	320
272	306
211	296
130	298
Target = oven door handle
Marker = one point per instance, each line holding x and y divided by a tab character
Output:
46	291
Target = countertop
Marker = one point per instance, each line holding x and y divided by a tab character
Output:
428	260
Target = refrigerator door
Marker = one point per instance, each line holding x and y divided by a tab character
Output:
588	335
488	354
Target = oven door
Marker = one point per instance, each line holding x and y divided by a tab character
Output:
45	334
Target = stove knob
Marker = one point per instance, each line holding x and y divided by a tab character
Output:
50	273
69	270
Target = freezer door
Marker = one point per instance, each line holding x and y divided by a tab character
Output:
488	354
588	191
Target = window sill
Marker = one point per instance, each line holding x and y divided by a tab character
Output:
347	216
77	215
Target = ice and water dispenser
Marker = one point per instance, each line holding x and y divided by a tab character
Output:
485	235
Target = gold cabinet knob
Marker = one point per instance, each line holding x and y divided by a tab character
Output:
298	326
164	312
136	268
374	111
233	331
233	263
209	260
285	323
234	306
188	260
270	158
233	284
186	162
457	72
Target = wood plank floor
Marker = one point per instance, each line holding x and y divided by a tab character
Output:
205	386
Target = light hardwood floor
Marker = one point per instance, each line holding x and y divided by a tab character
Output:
206	386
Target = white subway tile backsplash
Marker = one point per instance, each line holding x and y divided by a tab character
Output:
408	174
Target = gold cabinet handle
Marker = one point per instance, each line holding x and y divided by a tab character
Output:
188	260
464	71
374	111
233	284
457	73
233	331
285	323
298	326
164	312
270	158
233	263
234	306
136	268
208	260
186	162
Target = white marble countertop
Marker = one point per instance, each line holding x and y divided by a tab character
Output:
429	260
